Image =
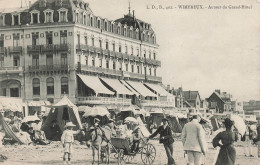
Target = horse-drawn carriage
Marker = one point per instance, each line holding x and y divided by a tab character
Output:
122	149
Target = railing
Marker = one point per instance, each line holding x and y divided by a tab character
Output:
154	78
125	56
102	100
48	68
47	48
15	49
106	51
156	103
119	55
11	69
61	47
3	50
135	75
132	57
101	70
34	48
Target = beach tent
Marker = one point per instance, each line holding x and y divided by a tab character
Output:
61	112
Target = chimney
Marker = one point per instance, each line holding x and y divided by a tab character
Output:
218	91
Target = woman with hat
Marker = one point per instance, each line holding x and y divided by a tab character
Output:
227	152
166	138
67	139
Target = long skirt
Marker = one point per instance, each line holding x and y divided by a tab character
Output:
226	156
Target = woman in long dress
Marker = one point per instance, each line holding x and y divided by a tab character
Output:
227	152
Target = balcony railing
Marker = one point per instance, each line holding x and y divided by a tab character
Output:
106	52
61	47
48	48
103	100
48	68
156	103
154	78
34	48
101	70
15	49
3	50
134	75
11	69
119	55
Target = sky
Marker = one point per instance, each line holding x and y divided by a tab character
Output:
200	49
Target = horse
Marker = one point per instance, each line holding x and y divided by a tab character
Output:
99	139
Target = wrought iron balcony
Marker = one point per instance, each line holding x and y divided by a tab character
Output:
15	49
101	70
103	100
11	69
34	48
125	56
119	55
41	68
3	50
131	57
106	52
154	78
112	54
62	47
48	48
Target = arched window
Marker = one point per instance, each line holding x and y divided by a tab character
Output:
64	85
50	86
91	21
98	25
105	26
36	86
112	28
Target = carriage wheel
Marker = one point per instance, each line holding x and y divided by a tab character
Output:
148	154
128	158
120	158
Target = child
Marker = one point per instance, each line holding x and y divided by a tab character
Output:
67	139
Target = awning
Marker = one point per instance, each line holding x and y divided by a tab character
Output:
94	83
140	88
38	103
117	86
129	87
11	103
158	89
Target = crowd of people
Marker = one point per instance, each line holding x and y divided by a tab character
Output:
193	137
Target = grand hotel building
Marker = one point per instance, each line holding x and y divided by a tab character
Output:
57	47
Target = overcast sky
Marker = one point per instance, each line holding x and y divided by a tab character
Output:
200	50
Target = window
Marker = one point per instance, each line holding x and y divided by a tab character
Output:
86	60
107	45
132	68
14	92
16	61
35	61
16	20
93	42
86	40
16	40
50	86
138	69
150	55
100	43
48	16
126	67
91	21
35	38
64	60
1	60
126	50
35	18
63	16
77	17
144	54
119	49
98	23
100	62
150	71
93	61
107	64
36	87
112	28
154	72
64	85
114	65
63	37
84	19
2	41
49	61
49	38
105	26
154	56
114	47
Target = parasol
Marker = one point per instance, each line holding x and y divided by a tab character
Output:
131	120
30	118
97	111
239	123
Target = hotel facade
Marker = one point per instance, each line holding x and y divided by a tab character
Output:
60	47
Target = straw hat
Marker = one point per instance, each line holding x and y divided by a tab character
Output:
69	124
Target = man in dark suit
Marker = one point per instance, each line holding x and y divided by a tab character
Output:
166	138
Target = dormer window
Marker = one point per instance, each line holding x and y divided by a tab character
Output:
98	24
112	28
2	19
118	30
105	25
84	19
63	15
48	16
35	16
125	31
16	19
91	21
77	17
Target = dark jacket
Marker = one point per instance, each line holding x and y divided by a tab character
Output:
166	133
258	133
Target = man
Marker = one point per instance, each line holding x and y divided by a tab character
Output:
136	139
193	141
166	138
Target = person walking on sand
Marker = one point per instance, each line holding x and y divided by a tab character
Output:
193	140
67	139
227	152
166	138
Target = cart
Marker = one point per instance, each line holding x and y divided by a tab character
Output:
122	149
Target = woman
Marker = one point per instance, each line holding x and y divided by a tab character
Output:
227	152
